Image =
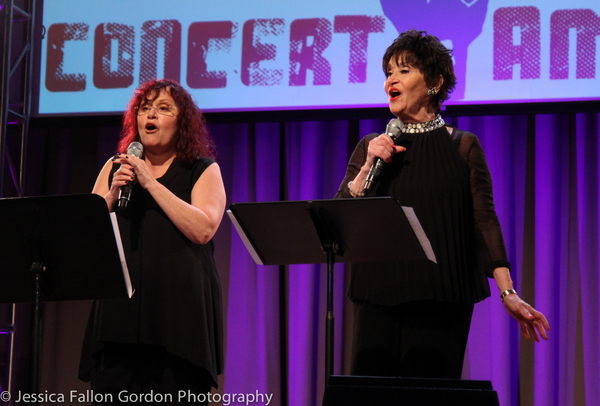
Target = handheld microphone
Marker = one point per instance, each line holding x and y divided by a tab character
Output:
135	149
393	129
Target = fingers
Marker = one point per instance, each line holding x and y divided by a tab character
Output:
535	326
123	161
531	321
124	175
541	319
541	324
531	326
542	331
125	171
537	322
525	314
128	166
120	180
140	172
383	147
525	330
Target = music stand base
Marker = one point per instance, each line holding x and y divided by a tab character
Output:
389	391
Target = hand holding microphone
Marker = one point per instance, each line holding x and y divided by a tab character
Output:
135	149
394	131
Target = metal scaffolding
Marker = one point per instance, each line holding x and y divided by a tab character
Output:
18	22
15	97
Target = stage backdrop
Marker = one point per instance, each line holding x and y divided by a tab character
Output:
255	55
546	184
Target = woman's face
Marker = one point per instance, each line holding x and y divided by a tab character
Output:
157	123
407	92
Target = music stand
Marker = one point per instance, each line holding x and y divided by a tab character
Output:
315	231
58	248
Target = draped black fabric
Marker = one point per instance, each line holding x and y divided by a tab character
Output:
445	178
177	298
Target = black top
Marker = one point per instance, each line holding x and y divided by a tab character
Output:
177	299
445	178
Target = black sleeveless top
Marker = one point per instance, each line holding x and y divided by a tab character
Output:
177	299
445	178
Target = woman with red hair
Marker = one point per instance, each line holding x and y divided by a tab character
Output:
168	337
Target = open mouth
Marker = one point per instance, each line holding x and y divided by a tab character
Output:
394	93
151	127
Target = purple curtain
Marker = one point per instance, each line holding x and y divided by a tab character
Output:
545	172
546	184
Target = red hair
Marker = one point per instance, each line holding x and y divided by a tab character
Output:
194	140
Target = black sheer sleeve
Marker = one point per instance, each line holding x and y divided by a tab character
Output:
491	248
357	160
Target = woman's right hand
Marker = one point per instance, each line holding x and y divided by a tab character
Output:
382	147
121	177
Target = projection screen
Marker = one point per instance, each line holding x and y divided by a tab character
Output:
245	55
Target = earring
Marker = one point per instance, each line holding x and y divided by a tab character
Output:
432	91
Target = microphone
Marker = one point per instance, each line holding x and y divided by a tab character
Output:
393	129
136	149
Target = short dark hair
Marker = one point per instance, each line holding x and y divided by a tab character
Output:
426	53
194	140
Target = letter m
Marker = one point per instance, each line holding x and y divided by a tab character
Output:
523	48
587	25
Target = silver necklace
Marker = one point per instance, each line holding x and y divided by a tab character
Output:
424	127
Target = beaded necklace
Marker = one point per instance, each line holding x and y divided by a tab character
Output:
424	127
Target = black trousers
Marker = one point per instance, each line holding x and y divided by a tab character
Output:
145	374
424	339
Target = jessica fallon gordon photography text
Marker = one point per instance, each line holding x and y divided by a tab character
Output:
90	396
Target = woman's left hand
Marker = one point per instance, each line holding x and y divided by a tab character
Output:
141	172
527	316
198	219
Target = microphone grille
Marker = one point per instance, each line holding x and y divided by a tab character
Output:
136	149
394	128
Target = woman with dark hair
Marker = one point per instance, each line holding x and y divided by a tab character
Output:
412	318
168	337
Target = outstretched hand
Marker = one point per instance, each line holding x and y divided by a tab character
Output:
528	318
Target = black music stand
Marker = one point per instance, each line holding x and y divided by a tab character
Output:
59	248
315	231
392	391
